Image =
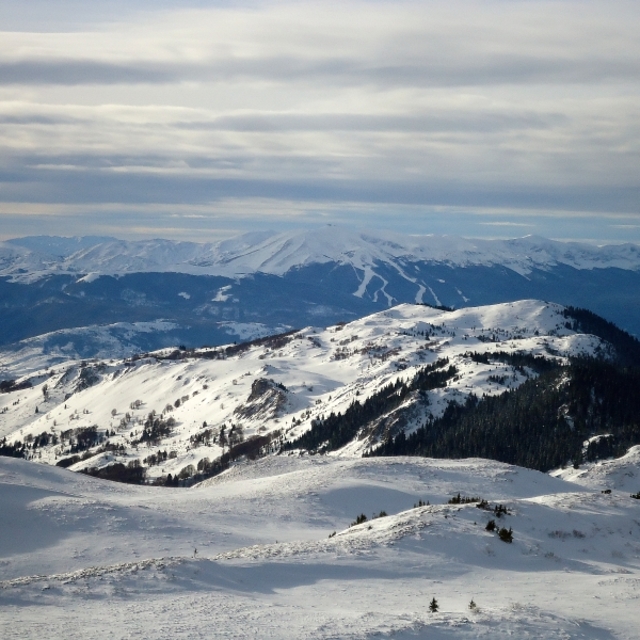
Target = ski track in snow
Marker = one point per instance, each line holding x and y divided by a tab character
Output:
435	297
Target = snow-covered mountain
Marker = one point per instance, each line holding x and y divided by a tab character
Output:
117	340
177	411
279	253
263	282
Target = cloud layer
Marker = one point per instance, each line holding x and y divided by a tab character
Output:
478	118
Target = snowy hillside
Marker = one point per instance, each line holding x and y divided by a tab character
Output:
621	473
176	412
252	553
107	342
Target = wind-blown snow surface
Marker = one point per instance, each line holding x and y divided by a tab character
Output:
283	386
277	253
83	558
623	473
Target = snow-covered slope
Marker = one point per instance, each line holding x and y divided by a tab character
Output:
363	250
620	473
277	388
59	246
251	554
108	342
118	340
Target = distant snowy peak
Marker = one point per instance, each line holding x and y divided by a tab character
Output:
279	253
120	256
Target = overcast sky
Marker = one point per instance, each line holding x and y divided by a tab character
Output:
199	120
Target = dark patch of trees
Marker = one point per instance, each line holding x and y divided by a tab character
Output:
155	429
19	449
518	361
339	429
359	520
65	463
441	307
12	450
107	446
8	386
540	425
627	347
205	437
131	473
88	376
272	342
156	458
83	438
253	448
459	499
506	535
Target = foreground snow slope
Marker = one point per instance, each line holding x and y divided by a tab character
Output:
622	473
279	387
83	558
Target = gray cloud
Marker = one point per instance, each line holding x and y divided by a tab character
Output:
428	121
402	107
425	122
458	71
78	72
93	185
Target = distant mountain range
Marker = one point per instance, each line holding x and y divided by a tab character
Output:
279	253
78	296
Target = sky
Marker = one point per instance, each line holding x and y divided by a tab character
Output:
198	120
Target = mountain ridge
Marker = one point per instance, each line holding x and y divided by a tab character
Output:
179	414
277	253
74	292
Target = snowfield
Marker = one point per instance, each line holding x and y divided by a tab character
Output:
251	553
622	474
